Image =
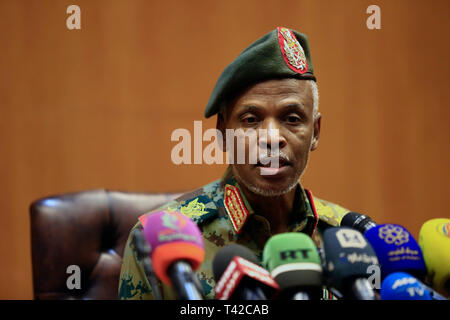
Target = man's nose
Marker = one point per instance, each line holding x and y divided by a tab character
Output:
272	136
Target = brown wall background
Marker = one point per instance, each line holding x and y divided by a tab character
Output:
95	108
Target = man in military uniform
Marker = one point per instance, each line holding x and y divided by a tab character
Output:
270	86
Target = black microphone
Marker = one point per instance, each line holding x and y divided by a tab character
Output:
357	221
347	258
239	277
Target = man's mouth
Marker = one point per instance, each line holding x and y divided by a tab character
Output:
272	166
273	162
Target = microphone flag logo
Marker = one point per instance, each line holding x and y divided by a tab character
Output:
349	238
393	234
445	229
173	221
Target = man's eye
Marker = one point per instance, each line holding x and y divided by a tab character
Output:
250	120
293	119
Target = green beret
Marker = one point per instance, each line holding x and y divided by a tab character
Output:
281	53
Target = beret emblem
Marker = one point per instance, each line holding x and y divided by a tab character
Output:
292	51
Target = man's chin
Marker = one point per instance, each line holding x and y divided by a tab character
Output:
269	192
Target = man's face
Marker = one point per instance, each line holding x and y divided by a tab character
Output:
286	105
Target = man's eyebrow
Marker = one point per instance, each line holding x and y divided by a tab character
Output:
248	108
289	107
294	106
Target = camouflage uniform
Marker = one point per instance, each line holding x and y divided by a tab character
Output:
206	207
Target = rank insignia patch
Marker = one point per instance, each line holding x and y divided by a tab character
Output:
292	51
237	212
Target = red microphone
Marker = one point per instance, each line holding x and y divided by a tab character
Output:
241	279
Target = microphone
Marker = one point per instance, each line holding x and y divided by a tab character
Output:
434	239
176	248
347	259
399	254
396	249
294	263
239	277
357	221
403	286
143	251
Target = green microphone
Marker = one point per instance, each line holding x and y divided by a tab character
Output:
294	263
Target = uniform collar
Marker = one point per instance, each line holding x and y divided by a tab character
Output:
244	219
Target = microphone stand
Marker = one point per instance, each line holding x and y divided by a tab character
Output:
143	253
184	281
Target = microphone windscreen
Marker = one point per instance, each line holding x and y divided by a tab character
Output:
172	237
434	239
357	221
403	286
348	256
292	260
396	249
226	254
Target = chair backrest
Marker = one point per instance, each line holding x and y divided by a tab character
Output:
87	229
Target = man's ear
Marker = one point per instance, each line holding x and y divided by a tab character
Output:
316	135
220	125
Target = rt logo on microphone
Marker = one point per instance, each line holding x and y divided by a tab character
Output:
292	254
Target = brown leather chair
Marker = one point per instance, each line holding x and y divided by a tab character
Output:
88	229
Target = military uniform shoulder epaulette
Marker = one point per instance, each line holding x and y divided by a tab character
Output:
329	212
198	205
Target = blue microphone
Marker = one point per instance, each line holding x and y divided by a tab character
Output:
397	250
403	286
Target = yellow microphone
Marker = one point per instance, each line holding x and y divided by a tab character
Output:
434	240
